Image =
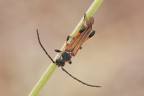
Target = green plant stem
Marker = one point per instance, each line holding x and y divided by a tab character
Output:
52	67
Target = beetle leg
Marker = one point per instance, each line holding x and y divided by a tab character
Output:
91	35
70	62
58	51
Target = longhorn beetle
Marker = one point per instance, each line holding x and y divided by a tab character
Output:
73	45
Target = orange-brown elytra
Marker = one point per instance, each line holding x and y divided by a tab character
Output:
73	46
83	35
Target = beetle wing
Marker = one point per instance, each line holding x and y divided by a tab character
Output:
81	41
73	43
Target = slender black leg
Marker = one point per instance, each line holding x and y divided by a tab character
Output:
82	29
57	50
68	37
92	34
70	62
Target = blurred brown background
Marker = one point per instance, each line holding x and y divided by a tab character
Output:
113	58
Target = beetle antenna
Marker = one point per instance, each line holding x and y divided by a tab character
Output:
78	79
43	47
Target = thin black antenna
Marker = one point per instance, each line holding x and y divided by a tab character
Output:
43	47
78	79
